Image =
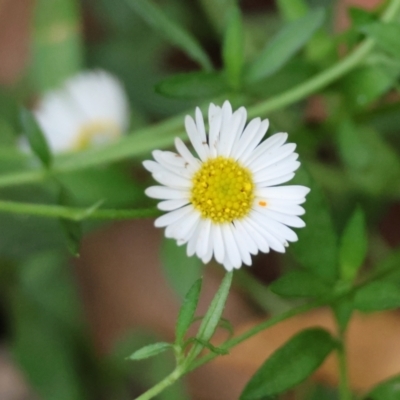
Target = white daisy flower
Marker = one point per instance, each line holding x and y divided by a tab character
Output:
90	109
225	202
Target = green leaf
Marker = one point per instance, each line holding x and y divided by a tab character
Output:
368	159
343	309
218	12
214	312
57	43
193	85
186	313
180	270
233	49
321	259
291	364
386	36
292	37
217	350
367	83
36	139
292	9
360	16
171	31
353	246
377	296
300	284
150	350
386	390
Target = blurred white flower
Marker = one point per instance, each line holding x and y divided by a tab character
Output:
225	203
90	109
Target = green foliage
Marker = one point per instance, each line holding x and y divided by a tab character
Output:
385	35
300	283
180	270
289	40
36	139
150	350
218	12
291	364
192	85
377	296
171	31
292	9
353	246
233	49
57	44
386	390
187	311
213	315
322	259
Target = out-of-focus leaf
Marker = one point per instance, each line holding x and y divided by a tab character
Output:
213	315
367	83
57	47
186	313
360	16
353	246
150	350
193	85
218	12
377	296
292	9
372	165
386	36
386	390
300	284
171	31
291	364
321	259
181	270
35	137
233	48
285	45
343	309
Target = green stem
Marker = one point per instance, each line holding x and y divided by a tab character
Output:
160	386
344	384
162	134
76	214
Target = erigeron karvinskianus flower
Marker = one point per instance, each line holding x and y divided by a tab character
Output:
90	109
225	202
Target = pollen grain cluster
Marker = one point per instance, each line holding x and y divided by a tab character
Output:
222	190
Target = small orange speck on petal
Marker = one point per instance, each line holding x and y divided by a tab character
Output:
262	203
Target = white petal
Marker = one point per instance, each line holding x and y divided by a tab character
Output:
200	147
203	238
231	133
283	192
273	173
186	154
214	121
246	138
173	216
271	157
261	131
182	231
276	181
172	180
289	220
232	252
253	231
200	125
265	163
219	247
208	256
192	243
244	234
169	205
242	246
167	193
291	209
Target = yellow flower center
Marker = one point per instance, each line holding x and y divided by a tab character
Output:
95	133
222	190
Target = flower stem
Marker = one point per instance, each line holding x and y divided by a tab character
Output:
344	384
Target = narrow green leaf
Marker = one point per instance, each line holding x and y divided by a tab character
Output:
187	311
377	296
214	313
386	390
343	309
292	37
209	346
233	49
193	85
171	31
300	284
360	16
57	42
291	364
321	259
353	246
292	9
150	350
218	12
36	139
386	36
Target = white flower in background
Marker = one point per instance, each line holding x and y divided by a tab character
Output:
226	203
90	109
